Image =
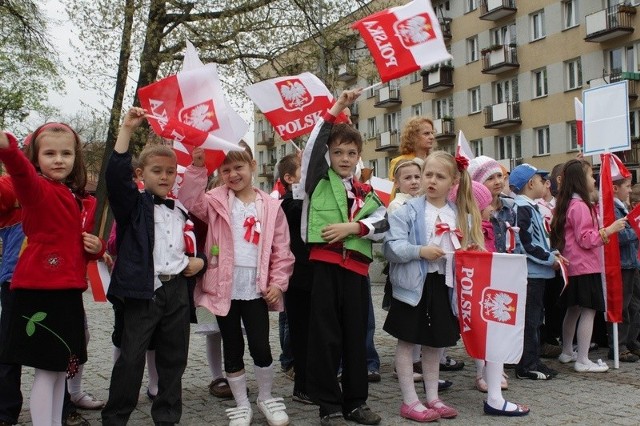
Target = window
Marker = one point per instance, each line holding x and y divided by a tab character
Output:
570	13
573	136
416	109
371	92
373	165
476	147
540	83
622	59
573	74
372	127
506	90
415	77
504	35
391	121
471	5
543	144
474	100
442	108
260	157
260	126
508	147
537	25
472	49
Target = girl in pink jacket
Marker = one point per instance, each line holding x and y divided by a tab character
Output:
249	265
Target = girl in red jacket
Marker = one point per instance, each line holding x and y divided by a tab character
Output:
46	325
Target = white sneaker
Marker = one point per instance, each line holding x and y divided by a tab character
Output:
274	410
591	367
86	401
239	416
566	359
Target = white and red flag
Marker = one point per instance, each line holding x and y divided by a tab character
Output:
579	123
383	189
99	279
292	104
633	218
492	290
464	149
611	169
403	39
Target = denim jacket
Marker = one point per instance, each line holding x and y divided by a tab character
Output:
534	239
627	240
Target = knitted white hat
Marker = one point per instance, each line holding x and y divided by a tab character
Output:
482	167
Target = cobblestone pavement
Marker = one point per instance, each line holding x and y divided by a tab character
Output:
571	398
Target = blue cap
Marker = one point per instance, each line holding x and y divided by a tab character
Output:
523	174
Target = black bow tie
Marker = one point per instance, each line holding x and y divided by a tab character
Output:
166	201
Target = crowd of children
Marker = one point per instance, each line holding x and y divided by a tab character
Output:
308	252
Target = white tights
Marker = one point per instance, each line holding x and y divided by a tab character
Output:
585	329
47	397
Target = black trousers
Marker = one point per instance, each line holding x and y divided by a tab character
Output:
10	374
298	303
337	330
255	317
166	315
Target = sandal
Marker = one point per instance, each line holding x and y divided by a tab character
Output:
220	388
481	385
521	410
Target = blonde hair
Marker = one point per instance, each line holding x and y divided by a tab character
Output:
155	150
245	156
469	219
410	133
407	163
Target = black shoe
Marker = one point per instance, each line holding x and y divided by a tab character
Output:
302	397
363	415
76	419
451	364
532	375
546	370
4	423
444	384
334	419
373	376
550	351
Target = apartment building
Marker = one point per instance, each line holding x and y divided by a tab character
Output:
517	67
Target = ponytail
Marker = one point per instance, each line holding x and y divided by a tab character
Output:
469	217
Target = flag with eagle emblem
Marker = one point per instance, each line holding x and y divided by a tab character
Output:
403	39
292	104
491	290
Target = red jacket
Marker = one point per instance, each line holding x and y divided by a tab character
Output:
54	257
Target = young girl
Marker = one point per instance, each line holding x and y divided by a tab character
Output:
46	327
249	265
423	233
574	231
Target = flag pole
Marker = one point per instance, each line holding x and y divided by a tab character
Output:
373	86
616	352
295	146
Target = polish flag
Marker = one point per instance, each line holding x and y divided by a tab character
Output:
292	104
633	219
492	292
611	169
99	279
579	124
464	149
383	189
403	39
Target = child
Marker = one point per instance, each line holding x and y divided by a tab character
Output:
149	277
340	218
628	242
249	268
421	310
574	231
528	183
45	328
297	298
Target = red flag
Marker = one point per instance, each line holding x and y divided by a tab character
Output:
293	104
579	124
99	279
633	219
382	188
492	293
403	39
612	275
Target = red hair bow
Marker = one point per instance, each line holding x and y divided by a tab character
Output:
462	163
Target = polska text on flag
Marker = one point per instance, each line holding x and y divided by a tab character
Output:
491	289
292	104
403	39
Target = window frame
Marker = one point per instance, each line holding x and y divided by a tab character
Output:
570	15
542	138
474	92
540	83
573	71
537	25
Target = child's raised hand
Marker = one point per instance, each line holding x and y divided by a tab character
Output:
431	252
4	140
273	295
92	244
193	267
134	118
345	100
198	157
339	231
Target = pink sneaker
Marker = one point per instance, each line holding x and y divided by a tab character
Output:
445	411
409	412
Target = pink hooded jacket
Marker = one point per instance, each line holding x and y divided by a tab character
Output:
275	260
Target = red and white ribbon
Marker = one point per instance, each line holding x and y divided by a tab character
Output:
189	238
510	243
252	233
455	234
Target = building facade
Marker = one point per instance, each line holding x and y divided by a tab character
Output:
517	67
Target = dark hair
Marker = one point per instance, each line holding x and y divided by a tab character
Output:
77	179
344	133
288	165
574	181
245	156
553	178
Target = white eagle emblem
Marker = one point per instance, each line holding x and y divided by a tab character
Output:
295	95
415	30
201	116
499	306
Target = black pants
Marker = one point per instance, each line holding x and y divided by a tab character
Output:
297	302
554	311
10	374
166	315
255	317
337	330
533	317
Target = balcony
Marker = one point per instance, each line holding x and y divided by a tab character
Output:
502	115
632	80
444	128
347	72
609	23
498	59
266	170
445	26
388	141
493	10
437	79
388	97
265	137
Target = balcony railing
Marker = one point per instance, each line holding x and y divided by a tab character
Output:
387	97
444	128
498	59
265	137
500	115
445	26
493	10
612	22
388	141
266	170
632	81
438	79
347	72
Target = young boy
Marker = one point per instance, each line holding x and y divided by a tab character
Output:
628	241
149	277
340	218
528	183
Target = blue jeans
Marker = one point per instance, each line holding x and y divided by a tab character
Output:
286	356
373	360
533	317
